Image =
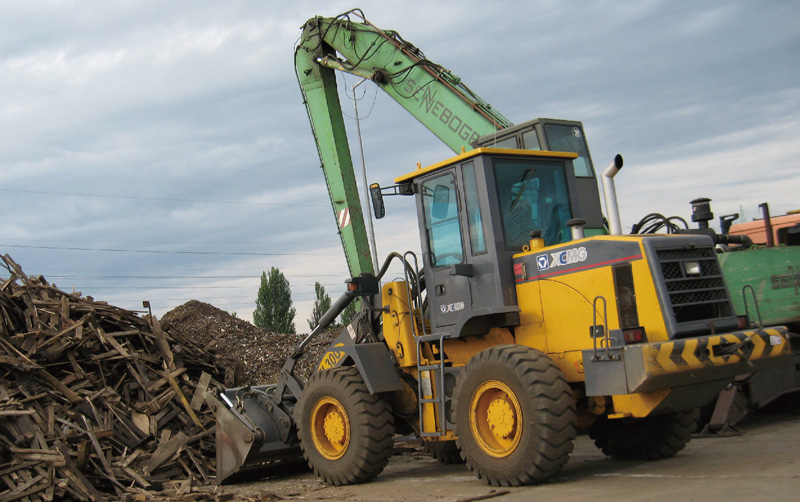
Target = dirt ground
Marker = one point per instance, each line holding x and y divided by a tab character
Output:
763	463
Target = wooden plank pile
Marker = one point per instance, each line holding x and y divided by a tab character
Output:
97	402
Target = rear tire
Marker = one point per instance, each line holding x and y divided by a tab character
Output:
446	452
514	416
345	432
649	438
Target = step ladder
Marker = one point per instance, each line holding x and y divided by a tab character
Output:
435	376
434	368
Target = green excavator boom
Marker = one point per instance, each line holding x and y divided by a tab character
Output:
430	92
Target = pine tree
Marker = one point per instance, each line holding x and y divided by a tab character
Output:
274	310
321	305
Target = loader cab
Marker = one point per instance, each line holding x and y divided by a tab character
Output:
560	136
475	212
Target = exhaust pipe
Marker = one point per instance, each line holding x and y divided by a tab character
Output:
767	224
610	195
576	227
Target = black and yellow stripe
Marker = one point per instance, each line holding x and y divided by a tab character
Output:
715	350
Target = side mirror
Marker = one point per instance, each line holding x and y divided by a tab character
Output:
377	201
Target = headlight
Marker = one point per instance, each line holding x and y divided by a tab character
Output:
691	268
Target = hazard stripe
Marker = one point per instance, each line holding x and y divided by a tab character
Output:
343	217
756	350
676	354
698	352
690	353
662	357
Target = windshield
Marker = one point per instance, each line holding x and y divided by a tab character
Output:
532	195
569	138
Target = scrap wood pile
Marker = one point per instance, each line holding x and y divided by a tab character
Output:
96	402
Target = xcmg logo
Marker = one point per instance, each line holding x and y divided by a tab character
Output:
561	258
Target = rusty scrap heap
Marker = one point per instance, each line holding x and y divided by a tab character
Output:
96	402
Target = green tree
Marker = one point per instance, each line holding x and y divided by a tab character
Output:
274	310
321	305
349	312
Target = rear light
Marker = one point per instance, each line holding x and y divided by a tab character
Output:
363	285
743	322
634	335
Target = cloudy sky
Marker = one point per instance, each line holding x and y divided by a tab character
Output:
160	151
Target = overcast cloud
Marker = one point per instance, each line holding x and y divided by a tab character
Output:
160	151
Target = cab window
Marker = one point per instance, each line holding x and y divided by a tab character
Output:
532	195
569	138
440	204
530	140
477	240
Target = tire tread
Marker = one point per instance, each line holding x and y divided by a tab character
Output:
554	427
372	429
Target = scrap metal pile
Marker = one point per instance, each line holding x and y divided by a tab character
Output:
97	402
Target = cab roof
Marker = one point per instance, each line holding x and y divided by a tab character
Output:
481	151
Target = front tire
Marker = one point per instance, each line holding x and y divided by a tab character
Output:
345	432
649	438
514	416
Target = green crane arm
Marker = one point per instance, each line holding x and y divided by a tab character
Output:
431	93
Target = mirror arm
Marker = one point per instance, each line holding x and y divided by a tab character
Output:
377	193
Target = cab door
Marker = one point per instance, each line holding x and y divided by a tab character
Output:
448	287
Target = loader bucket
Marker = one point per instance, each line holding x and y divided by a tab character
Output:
254	425
247	432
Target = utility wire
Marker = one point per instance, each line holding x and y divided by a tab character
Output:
90	287
157	251
158	287
161	199
67	276
227	243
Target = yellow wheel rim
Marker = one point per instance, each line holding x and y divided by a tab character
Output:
496	419
330	428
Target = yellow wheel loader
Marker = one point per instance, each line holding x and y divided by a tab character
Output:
514	332
448	108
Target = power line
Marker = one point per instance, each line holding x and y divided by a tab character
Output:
271	241
161	199
158	287
184	300
149	277
156	251
92	288
186	269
